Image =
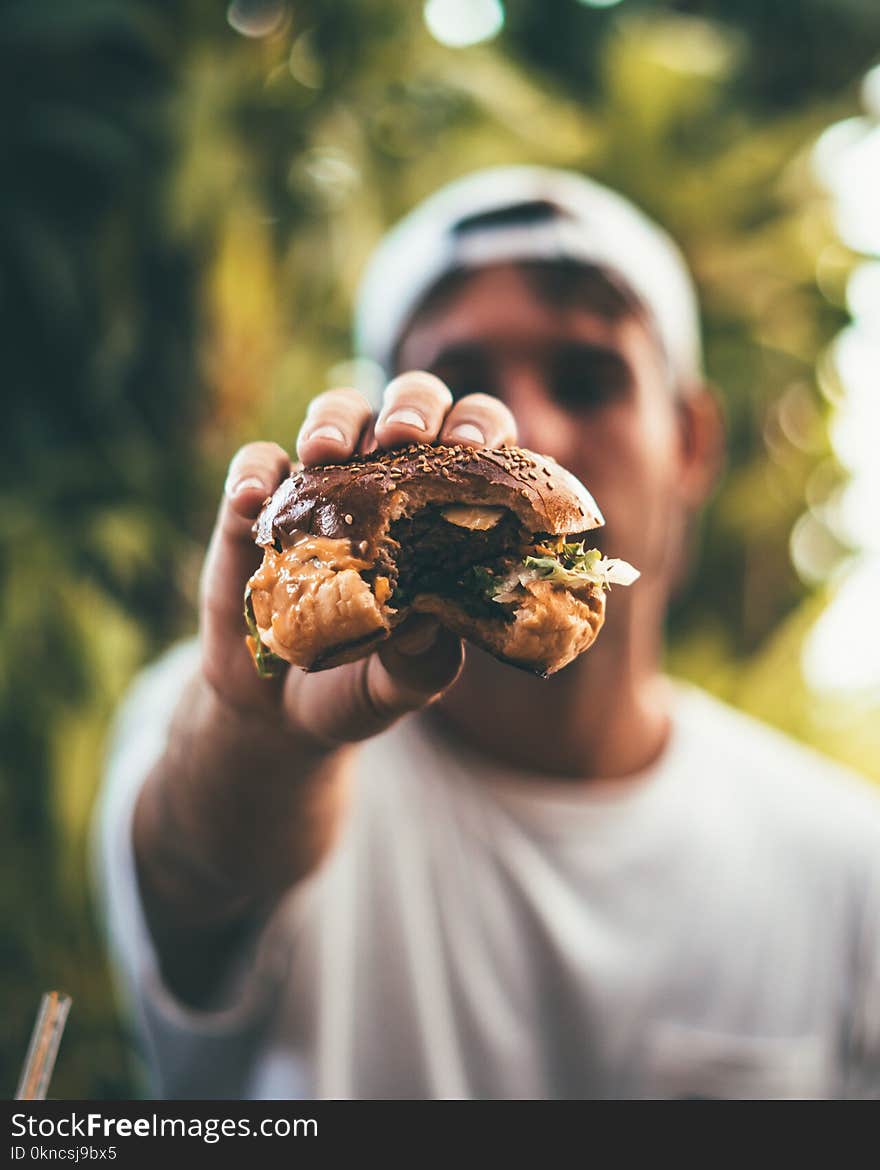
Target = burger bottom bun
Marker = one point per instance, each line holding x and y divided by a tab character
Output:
551	626
328	617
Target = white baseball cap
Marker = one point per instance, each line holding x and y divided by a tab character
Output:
562	215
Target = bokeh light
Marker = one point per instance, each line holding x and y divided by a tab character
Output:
257	18
863	295
847	162
842	652
871	92
326	173
856	425
304	62
459	23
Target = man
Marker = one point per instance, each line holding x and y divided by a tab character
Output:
596	885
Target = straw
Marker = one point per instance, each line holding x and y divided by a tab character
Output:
45	1038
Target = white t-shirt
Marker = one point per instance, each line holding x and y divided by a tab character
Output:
710	929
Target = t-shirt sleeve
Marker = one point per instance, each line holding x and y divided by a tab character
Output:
189	1053
863	1071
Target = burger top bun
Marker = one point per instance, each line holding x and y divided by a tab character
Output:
359	499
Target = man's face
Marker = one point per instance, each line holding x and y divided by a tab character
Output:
591	391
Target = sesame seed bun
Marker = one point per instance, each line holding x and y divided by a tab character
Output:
359	499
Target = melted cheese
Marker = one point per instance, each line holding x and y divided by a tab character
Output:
333	552
474	516
382	589
310	597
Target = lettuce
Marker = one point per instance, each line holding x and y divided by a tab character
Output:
482	581
268	665
571	567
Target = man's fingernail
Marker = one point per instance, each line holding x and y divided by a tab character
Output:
468	433
247	484
419	639
408	417
327	431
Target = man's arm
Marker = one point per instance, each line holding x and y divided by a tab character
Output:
250	791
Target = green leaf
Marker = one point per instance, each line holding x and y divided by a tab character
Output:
482	581
268	665
575	564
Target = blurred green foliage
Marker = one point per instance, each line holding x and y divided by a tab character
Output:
183	216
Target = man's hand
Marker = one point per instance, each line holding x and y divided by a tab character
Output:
250	791
420	660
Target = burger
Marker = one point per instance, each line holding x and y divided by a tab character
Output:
490	541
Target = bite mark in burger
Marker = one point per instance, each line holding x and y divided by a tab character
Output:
488	540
